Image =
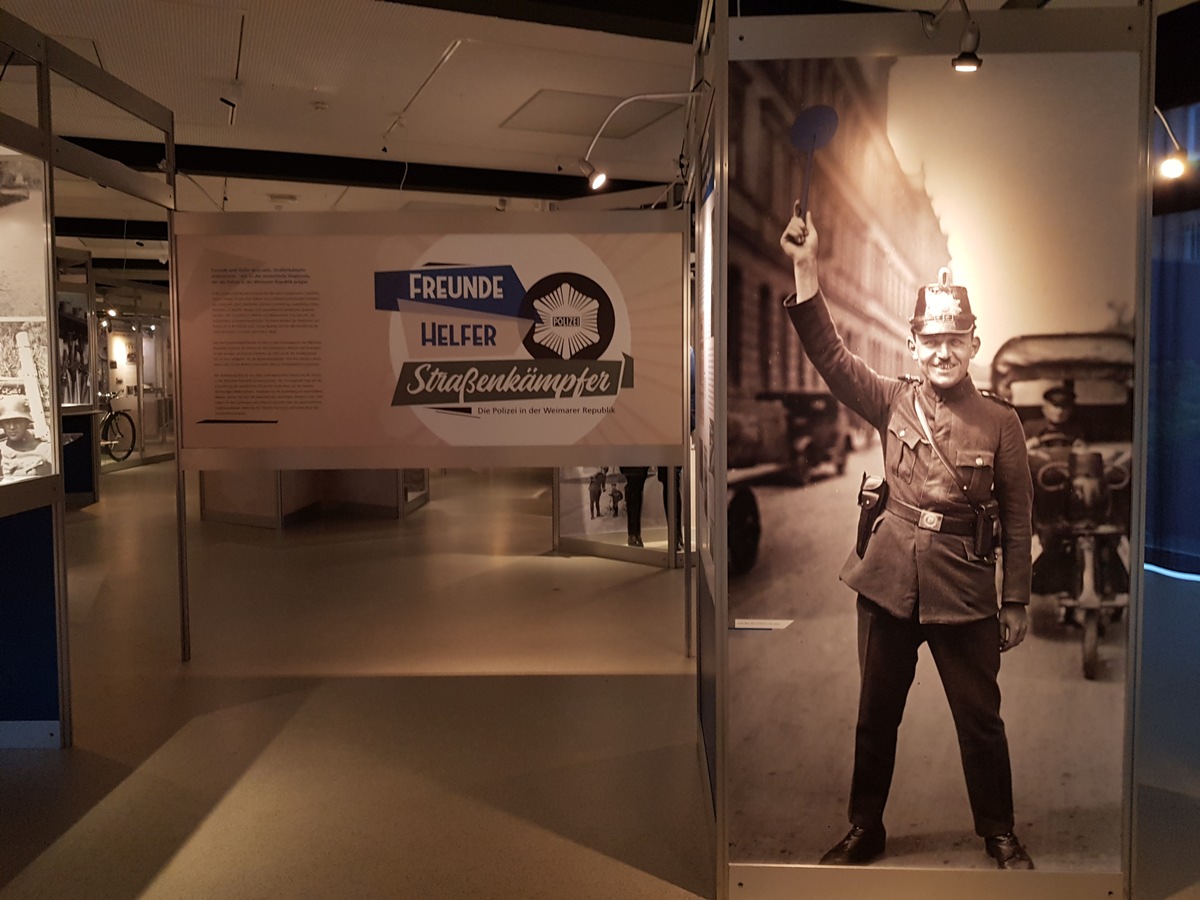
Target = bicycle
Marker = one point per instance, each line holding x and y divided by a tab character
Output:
118	435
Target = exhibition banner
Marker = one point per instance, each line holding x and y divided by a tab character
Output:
360	341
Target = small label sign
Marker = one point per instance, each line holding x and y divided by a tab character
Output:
761	624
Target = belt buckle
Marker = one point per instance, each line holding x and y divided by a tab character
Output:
930	521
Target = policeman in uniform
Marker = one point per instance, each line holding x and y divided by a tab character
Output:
922	578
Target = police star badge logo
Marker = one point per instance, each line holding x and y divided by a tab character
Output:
567	321
572	318
941	305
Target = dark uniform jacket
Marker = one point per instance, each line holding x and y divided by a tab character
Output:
906	566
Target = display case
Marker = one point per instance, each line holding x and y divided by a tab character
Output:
33	698
27	404
39	374
75	292
135	381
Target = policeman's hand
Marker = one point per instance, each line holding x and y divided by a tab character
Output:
799	239
799	243
1014	623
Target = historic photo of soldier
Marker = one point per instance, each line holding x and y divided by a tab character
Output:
923	173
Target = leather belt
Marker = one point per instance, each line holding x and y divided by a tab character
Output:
929	520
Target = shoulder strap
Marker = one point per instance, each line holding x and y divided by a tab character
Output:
938	450
995	398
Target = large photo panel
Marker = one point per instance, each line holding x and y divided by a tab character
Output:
1011	194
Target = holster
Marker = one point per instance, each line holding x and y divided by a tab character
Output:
872	497
987	529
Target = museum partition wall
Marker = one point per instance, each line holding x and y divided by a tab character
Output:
45	346
1017	193
382	342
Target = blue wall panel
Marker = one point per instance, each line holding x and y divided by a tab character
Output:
28	627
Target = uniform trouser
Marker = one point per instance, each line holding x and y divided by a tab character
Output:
968	660
634	488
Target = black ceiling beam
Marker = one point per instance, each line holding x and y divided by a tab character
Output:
674	21
110	229
113	263
133	282
1176	65
749	8
274	165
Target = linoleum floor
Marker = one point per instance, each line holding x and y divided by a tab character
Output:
435	707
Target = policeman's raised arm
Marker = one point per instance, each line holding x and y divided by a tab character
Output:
799	243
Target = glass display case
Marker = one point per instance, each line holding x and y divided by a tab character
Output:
44	330
135	381
27	420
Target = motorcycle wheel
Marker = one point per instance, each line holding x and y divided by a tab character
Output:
745	529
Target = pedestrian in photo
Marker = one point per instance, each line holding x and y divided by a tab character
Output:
596	490
924	567
23	454
635	486
616	497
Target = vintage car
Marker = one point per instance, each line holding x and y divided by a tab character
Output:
14	186
1080	470
789	434
780	437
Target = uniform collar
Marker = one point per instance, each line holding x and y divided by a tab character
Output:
964	388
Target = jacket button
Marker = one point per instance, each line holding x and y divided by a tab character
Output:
979	460
901	432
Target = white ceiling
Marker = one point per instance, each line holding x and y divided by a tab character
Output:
331	77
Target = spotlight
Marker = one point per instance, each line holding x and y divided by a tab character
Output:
968	57
968	60
595	177
1174	164
112	313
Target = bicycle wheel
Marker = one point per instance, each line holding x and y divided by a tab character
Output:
118	435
